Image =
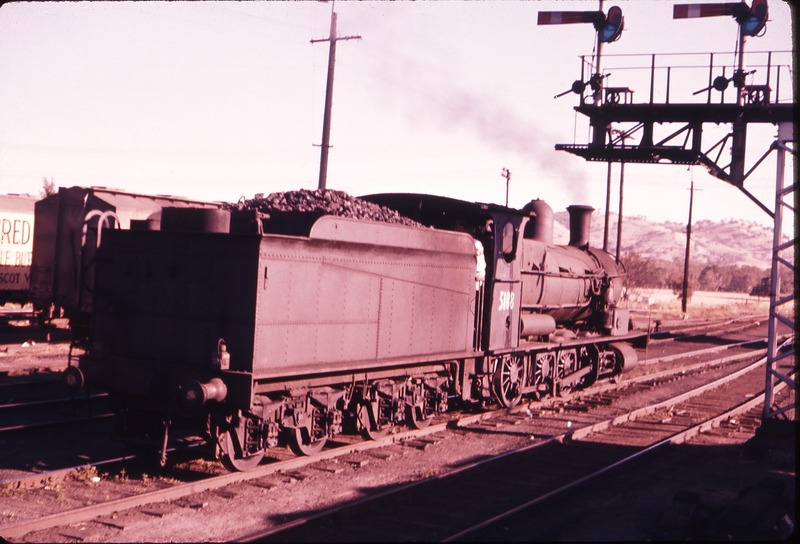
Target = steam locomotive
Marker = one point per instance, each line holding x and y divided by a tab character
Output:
254	331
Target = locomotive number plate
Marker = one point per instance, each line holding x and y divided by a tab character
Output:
506	301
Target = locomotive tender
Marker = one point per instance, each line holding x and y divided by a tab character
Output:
254	331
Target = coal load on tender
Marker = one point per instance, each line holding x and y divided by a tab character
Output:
290	211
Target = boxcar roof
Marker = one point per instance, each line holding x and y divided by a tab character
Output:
17	203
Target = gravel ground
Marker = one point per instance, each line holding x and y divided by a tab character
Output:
31	357
701	491
242	509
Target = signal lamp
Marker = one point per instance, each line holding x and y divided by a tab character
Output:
755	19
611	28
751	19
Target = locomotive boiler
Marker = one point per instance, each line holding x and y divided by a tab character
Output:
253	330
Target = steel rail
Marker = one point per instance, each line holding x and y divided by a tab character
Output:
88	513
571	435
46	424
699	331
49	401
613	386
39	477
182	490
677	438
687	326
16	314
23	384
703	351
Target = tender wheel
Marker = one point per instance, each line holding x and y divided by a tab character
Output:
302	444
508	378
416	418
233	461
368	430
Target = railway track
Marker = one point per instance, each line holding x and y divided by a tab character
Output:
713	431
39	414
572	404
473	499
31	457
727	326
648	374
8	315
678	325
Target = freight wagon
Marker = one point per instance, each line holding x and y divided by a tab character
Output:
16	245
69	227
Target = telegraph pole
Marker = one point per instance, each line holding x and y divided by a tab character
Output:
506	174
619	218
685	290
621	189
608	208
326	123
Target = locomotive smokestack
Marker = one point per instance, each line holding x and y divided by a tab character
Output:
580	224
540	228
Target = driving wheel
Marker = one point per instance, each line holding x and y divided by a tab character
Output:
508	380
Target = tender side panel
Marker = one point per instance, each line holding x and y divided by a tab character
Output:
309	311
168	298
326	302
419	319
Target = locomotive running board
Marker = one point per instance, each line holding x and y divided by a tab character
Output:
638	340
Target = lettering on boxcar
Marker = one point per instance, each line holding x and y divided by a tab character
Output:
16	243
9	278
15	258
14	278
15	232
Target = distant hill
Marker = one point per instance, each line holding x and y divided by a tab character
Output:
729	242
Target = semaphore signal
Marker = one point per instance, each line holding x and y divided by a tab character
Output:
608	28
752	19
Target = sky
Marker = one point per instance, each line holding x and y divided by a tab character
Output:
219	100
